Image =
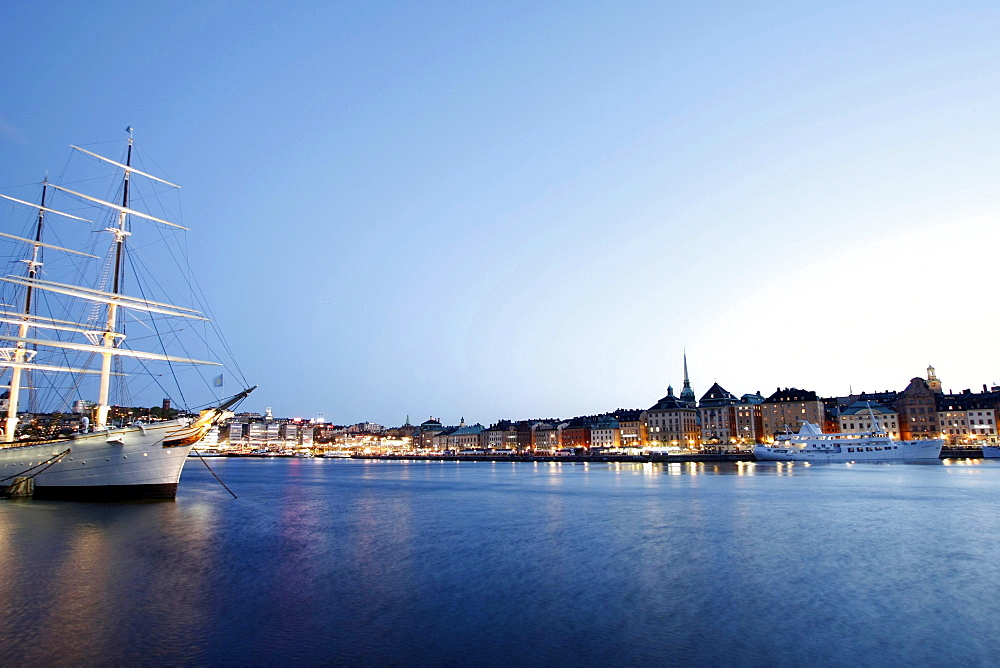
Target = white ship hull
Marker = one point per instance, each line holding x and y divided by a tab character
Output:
858	451
991	451
121	464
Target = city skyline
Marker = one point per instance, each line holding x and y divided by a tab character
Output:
517	209
696	396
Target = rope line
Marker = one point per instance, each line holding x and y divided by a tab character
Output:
49	462
213	473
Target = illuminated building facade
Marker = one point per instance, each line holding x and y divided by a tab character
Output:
917	408
967	419
749	419
786	410
605	433
857	418
717	410
576	434
631	427
672	421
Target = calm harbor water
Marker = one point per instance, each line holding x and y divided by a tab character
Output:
443	563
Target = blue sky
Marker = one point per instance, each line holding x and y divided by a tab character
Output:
505	209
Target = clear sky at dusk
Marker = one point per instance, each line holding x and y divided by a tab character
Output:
511	210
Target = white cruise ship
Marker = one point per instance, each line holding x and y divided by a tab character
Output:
810	444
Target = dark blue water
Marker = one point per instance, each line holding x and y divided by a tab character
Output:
443	563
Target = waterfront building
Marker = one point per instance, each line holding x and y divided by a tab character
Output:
466	437
524	431
982	425
857	418
718	413
326	433
605	433
424	437
440	439
366	428
289	433
257	432
530	440
501	435
298	433
990	399
966	418
267	433
917	408
80	406
786	409
749	420
545	437
404	433
576	433
210	441
632	428
232	433
886	398
671	421
953	425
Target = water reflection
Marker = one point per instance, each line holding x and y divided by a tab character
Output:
713	468
74	575
778	468
366	563
963	462
79	587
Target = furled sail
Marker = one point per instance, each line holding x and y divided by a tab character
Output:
117	207
102	350
103	297
43	208
127	168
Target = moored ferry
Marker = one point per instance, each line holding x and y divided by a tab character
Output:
991	451
810	444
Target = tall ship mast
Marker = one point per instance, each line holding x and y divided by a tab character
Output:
97	458
18	356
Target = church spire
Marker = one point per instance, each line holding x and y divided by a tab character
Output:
687	394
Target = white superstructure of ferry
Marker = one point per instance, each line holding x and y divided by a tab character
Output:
810	444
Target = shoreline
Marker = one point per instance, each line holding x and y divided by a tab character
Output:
707	457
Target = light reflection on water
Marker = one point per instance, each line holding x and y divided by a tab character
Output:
964	462
346	562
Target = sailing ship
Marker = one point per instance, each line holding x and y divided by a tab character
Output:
78	341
